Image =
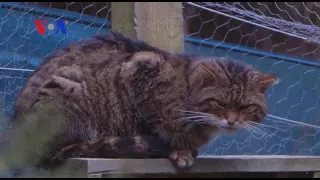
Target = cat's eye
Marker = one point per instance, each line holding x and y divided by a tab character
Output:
218	104
251	109
221	104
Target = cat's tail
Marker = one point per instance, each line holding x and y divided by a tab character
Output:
142	146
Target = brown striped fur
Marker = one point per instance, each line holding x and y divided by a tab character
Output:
120	96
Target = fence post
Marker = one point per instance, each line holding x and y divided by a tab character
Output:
122	18
157	23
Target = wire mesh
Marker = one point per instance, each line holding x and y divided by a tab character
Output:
278	38
22	48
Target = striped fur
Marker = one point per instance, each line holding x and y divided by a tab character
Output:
119	96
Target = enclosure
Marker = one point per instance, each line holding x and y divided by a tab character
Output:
278	38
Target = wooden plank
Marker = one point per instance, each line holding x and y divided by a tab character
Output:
95	175
160	24
203	164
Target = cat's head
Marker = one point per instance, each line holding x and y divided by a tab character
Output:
230	93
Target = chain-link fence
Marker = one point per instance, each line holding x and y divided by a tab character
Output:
279	38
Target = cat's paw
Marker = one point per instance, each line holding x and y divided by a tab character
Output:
182	158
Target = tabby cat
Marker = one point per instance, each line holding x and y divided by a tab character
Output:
123	98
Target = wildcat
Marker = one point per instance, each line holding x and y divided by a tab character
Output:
123	98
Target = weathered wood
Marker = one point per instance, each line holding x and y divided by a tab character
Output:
158	23
94	175
122	18
203	164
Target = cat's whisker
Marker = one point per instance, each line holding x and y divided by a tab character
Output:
191	118
271	117
261	133
267	126
195	117
256	131
207	121
264	132
280	122
273	134
191	124
283	126
259	124
194	120
184	119
247	129
268	134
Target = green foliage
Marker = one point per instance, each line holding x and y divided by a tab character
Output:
30	134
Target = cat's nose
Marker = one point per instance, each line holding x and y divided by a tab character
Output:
232	117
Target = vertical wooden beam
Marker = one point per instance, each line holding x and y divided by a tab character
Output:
158	23
123	19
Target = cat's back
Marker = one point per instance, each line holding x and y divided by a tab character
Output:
100	54
98	51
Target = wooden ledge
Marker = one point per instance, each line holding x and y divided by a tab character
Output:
203	164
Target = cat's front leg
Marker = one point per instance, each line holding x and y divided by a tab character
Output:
184	144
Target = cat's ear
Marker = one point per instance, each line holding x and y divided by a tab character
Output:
67	79
265	81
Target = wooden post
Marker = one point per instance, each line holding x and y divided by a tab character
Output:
158	23
122	18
